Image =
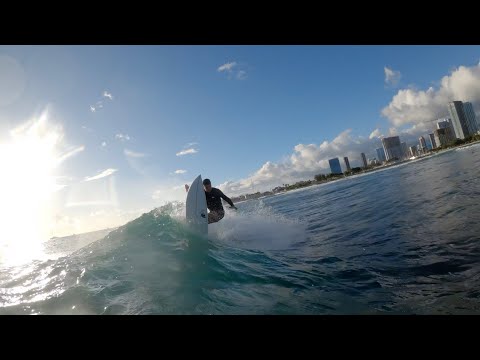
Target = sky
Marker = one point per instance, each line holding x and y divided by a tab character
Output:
92	136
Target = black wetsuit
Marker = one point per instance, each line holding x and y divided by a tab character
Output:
214	204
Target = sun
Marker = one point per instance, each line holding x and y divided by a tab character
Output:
27	182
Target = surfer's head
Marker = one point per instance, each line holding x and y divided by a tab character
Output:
207	185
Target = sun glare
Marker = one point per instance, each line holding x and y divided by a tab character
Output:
27	182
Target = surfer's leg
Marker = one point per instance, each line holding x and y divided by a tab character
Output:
214	216
210	217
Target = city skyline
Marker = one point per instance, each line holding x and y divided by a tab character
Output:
444	133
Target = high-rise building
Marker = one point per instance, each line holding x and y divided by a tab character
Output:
432	140
335	166
347	163
423	144
404	150
392	147
413	151
471	118
447	133
444	123
450	135
461	123
364	160
381	154
443	136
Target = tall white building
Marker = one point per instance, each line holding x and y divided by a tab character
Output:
413	151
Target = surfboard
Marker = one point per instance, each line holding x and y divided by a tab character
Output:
196	207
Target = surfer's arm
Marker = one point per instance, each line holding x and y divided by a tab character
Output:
227	199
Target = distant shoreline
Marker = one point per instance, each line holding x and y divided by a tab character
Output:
84	233
307	183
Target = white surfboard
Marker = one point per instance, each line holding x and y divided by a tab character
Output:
196	207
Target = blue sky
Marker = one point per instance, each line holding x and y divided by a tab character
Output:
241	108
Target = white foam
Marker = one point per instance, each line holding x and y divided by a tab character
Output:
258	228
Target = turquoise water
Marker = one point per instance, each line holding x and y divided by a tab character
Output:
400	241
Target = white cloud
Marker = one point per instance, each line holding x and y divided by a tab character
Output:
99	103
70	153
241	75
122	137
103	174
137	162
104	144
233	69
375	134
133	154
418	129
392	77
186	152
412	107
228	67
107	95
392	131
180	171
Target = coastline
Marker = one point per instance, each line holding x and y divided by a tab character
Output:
363	172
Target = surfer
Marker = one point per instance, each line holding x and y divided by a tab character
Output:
214	202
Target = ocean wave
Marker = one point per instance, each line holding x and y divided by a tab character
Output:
153	264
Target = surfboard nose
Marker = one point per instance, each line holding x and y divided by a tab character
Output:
196	206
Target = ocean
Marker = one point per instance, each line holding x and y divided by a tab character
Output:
404	240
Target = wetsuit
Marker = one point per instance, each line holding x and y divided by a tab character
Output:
214	204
